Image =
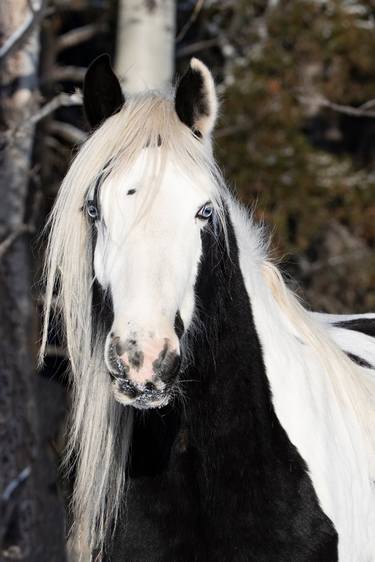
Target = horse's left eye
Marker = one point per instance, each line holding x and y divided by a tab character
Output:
92	210
205	212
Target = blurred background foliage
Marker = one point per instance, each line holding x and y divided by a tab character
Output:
297	127
309	167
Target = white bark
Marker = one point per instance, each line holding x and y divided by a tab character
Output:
146	44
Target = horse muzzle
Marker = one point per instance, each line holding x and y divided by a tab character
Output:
143	374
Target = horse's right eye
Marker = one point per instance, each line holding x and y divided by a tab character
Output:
92	210
205	212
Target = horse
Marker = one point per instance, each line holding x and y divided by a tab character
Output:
213	416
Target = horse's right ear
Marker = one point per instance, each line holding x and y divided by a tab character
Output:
102	94
196	101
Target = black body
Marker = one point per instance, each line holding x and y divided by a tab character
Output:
217	479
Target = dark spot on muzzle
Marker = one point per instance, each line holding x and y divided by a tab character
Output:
136	359
135	356
167	365
157	365
128	388
118	369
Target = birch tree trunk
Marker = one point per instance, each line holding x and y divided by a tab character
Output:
30	520
146	44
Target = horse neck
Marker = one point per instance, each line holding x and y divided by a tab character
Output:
233	395
317	395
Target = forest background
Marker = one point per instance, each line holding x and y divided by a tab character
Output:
295	137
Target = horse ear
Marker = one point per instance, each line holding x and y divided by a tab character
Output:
102	94
196	101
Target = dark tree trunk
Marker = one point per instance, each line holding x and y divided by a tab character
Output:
31	520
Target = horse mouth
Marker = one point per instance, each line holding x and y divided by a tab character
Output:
142	397
154	392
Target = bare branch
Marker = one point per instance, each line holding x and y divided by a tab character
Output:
61	100
68	132
15	483
197	47
79	35
320	101
193	16
8	241
68	73
18	37
8	503
367	105
54	144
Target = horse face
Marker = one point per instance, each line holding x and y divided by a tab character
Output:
147	253
149	219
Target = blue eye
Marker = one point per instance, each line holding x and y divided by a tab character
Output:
92	210
205	212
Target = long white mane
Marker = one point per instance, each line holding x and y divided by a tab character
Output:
100	428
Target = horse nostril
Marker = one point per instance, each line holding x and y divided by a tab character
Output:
117	345
116	366
170	367
128	388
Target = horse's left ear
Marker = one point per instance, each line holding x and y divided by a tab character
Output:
196	101
102	94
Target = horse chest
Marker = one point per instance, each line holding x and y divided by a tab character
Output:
213	500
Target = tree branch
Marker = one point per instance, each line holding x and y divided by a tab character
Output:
198	46
68	132
193	16
15	483
367	105
320	101
18	37
68	73
79	35
61	100
8	241
10	493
